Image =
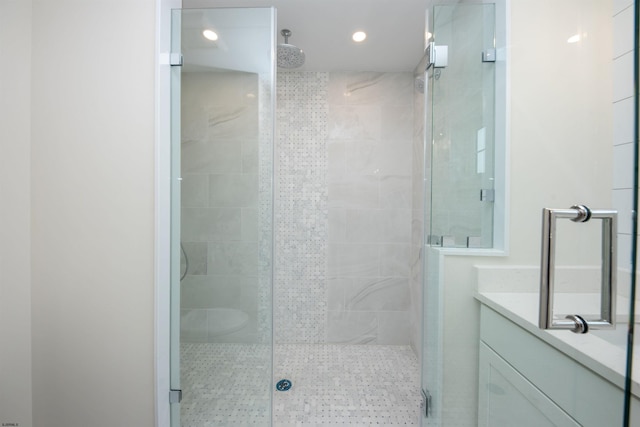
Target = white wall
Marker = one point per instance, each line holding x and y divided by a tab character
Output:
15	266
92	176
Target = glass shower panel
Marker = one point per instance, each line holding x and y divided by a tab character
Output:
462	174
223	168
459	169
572	114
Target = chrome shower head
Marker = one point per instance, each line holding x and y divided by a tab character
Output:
289	56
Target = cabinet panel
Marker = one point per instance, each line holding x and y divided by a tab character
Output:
587	397
506	398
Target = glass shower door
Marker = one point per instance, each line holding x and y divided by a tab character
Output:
222	168
463	127
460	183
571	119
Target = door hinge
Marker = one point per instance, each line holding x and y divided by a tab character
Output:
425	405
438	56
487	195
489	55
175	59
175	396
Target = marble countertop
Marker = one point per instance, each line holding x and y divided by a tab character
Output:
591	350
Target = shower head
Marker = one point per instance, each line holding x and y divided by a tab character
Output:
289	56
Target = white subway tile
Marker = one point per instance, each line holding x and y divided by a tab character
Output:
623	32
623	121
620	5
623	77
623	166
623	202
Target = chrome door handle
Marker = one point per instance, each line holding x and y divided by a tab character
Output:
575	322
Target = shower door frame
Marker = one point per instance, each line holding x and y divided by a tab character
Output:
162	267
168	211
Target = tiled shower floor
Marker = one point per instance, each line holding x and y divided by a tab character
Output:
333	385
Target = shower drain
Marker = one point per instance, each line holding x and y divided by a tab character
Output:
283	385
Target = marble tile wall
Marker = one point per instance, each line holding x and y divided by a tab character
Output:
370	149
343	207
220	207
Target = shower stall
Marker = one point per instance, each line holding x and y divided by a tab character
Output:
342	237
320	202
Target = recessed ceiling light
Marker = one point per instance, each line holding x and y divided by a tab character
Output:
210	35
359	36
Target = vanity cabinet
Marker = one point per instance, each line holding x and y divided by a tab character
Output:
525	381
509	399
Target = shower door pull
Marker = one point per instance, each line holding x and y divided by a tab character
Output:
575	322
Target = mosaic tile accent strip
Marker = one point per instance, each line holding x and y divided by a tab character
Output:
301	224
341	385
332	385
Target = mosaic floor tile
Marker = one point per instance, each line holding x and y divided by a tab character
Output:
332	385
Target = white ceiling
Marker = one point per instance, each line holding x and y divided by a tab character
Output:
323	28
